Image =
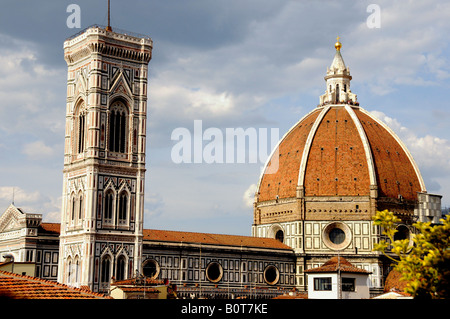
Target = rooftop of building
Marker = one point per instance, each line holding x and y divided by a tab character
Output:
212	239
15	286
336	264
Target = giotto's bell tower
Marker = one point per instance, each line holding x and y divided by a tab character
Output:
104	158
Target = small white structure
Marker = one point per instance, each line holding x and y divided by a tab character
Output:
338	279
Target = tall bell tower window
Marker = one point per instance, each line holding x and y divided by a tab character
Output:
72	210
121	263
80	209
105	270
80	128
109	201
123	204
118	127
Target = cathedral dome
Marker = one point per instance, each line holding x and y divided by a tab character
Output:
340	150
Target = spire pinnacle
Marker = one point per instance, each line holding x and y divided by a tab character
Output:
108	28
338	44
338	81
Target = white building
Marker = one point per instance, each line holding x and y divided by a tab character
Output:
338	279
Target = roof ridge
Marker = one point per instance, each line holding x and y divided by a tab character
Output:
212	234
213	239
193	232
337	263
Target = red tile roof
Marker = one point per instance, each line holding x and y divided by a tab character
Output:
212	239
199	238
336	264
16	286
49	228
394	283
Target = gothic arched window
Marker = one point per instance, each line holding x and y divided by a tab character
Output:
109	206
118	117
69	271
72	208
121	262
80	128
105	269
76	275
80	208
123	204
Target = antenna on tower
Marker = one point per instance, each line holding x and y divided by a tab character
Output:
108	28
13	196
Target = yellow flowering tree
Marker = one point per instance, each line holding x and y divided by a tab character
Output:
424	265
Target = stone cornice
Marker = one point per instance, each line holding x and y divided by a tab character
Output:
96	40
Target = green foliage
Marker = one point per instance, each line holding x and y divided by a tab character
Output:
424	265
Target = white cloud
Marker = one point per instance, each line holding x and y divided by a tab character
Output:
7	193
249	195
408	49
431	154
31	201
30	93
38	150
190	102
154	204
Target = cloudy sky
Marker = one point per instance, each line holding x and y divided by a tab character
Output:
248	63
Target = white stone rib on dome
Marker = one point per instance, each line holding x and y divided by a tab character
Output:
309	140
403	146
366	145
276	148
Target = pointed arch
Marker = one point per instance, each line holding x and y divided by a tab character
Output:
80	125
69	270
121	267
118	126
80	82
105	269
120	84
81	204
123	203
109	206
76	269
73	207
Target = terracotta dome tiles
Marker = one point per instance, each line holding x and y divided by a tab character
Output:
337	163
396	174
283	182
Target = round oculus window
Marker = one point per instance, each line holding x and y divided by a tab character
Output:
271	275
402	233
214	272
151	268
337	236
